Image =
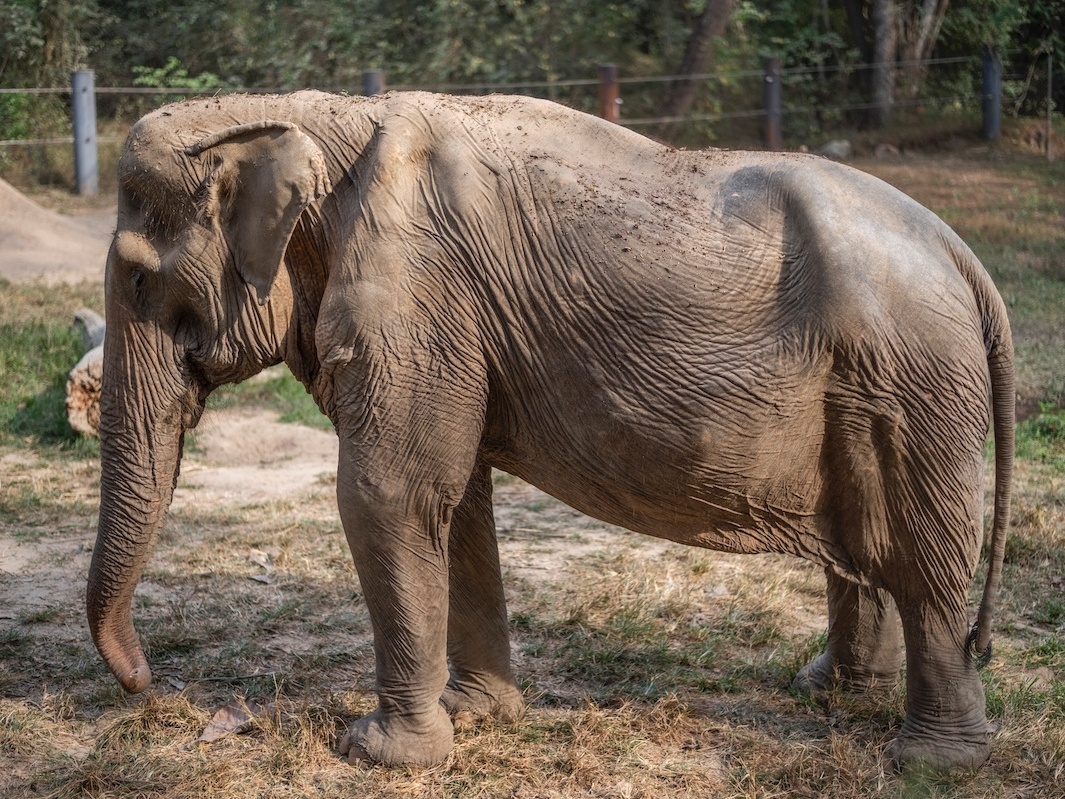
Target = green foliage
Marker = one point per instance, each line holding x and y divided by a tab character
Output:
974	23
811	39
446	43
1042	437
41	41
174	76
14	116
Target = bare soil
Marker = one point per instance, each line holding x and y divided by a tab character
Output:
38	244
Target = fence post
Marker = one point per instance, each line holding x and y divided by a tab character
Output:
609	102
992	94
373	82
771	100
83	119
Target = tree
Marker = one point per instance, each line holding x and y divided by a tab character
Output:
40	44
698	56
919	25
882	17
904	34
41	40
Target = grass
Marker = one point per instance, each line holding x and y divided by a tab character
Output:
38	347
276	390
1041	438
650	670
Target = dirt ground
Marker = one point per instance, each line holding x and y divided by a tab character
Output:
38	244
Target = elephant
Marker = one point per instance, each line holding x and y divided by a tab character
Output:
747	352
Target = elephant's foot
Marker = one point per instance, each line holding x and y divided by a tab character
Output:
944	753
470	701
824	673
399	741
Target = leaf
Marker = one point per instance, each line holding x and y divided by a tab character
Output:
264	559
237	716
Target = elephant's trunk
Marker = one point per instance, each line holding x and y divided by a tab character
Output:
142	424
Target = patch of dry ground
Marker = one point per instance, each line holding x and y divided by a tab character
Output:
38	244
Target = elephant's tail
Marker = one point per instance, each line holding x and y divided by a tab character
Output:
998	341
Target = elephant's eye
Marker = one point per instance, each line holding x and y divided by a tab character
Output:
140	260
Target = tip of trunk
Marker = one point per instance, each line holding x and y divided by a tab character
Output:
117	642
135	679
129	667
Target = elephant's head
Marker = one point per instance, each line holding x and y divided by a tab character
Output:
196	296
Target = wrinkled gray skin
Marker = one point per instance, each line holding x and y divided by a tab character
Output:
739	351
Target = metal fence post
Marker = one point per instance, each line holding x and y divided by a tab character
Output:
992	94
373	82
609	102
771	100
83	118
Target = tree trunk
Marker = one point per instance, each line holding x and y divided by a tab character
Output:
918	33
698	56
85	379
883	15
859	29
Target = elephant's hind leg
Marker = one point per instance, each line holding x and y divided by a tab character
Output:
945	725
478	641
864	648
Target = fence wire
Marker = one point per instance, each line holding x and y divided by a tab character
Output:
720	85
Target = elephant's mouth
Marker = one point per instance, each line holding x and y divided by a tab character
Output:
194	400
191	414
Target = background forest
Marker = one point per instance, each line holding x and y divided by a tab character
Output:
863	57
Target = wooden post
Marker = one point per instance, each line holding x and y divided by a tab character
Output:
771	101
609	102
83	118
373	82
992	94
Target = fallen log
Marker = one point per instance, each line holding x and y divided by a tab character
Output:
83	383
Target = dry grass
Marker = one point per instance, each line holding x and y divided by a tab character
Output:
650	670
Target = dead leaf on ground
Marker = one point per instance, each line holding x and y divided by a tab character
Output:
237	716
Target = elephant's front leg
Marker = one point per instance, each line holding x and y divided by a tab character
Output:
864	647
398	532
478	640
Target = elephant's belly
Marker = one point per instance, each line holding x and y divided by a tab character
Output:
727	456
694	505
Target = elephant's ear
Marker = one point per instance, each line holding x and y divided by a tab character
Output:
267	173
